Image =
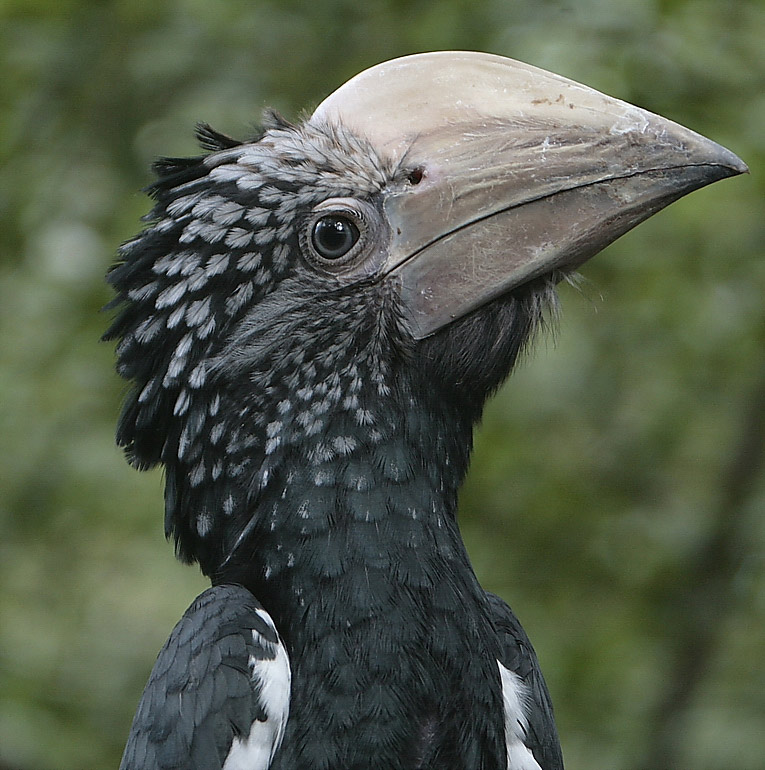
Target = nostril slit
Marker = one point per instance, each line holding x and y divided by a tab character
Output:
415	176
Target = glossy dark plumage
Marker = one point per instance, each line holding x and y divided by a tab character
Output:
205	693
313	453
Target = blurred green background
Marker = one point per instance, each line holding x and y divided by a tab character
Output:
617	493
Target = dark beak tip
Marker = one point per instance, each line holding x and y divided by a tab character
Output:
730	162
738	168
712	162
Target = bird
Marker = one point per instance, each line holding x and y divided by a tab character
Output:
312	320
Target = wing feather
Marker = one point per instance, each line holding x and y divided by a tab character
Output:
218	696
529	710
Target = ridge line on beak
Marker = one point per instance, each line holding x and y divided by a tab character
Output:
542	196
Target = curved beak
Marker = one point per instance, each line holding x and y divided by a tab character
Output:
509	173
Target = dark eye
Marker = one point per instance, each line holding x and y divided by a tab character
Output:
334	236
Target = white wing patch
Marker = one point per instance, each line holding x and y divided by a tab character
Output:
273	678
519	756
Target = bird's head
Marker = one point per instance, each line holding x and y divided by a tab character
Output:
396	248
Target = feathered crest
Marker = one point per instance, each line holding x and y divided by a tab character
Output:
172	172
210	139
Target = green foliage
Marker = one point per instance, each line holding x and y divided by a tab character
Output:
617	492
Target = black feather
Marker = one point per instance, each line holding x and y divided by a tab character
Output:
201	694
211	139
172	172
519	657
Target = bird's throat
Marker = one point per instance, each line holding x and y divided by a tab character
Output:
360	563
353	521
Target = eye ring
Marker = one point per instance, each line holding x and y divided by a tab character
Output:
336	234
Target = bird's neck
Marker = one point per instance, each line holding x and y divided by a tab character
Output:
358	558
359	516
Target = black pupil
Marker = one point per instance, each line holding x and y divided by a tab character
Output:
334	236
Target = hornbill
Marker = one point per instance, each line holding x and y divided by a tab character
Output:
312	322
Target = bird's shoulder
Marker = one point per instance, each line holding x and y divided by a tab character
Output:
529	722
218	695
